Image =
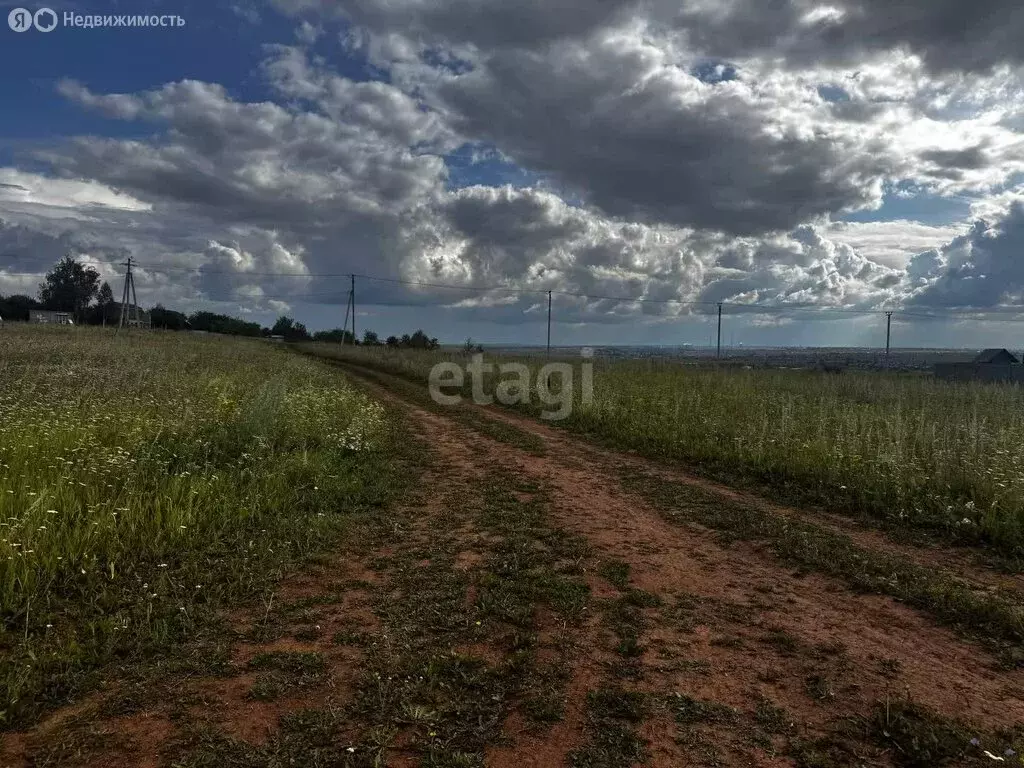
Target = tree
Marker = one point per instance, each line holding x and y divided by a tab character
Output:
392	341
291	330
336	336
167	319
104	305
370	339
70	287
419	340
17	307
214	323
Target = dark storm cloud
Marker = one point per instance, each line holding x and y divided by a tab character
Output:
655	146
947	34
980	269
23	249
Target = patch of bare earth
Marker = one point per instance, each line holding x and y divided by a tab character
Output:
151	734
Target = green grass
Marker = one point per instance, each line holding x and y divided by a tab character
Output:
412	391
613	718
917	737
148	479
908	451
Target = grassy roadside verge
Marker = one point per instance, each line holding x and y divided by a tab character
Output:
414	391
146	481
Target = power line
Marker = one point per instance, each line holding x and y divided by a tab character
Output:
737	307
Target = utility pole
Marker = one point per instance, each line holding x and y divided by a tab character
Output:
719	352
129	290
353	310
888	336
344	328
549	323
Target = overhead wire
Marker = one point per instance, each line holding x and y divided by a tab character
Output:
740	307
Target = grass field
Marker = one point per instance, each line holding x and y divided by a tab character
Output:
221	552
147	480
911	452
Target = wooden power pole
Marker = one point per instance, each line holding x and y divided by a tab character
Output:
128	292
549	323
718	352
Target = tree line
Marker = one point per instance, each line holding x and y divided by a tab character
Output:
75	288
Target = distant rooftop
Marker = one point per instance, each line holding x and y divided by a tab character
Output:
997	357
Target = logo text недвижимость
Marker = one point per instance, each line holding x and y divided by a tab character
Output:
47	20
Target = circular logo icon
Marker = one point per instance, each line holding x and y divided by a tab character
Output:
45	20
20	20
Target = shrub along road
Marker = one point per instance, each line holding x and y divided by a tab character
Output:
541	601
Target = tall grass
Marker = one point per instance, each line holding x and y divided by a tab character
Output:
147	478
912	451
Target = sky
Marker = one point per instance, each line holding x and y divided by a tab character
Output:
643	160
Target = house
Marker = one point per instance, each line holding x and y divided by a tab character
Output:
48	317
996	357
999	365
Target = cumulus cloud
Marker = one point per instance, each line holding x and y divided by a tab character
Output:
258	162
979	269
621	124
891	243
